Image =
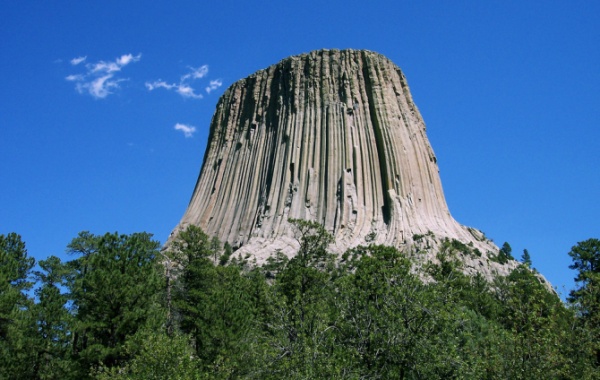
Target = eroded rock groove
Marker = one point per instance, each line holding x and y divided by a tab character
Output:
330	136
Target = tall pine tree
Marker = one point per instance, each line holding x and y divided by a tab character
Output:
113	285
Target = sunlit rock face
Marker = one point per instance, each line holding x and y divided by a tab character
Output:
330	136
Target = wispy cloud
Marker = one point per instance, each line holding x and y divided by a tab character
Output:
100	77
185	85
197	73
74	77
188	130
78	60
158	84
213	85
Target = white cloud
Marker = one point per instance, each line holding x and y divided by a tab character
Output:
78	60
76	77
104	67
213	85
184	87
187	130
100	87
187	92
197	73
100	77
110	67
159	84
127	58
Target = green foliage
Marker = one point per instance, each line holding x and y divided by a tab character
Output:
526	258
124	310
112	286
481	297
156	356
213	302
15	324
191	244
505	253
15	263
534	316
301	329
314	240
384	322
459	246
15	269
215	247
454	247
227	252
586	297
586	260
54	322
418	237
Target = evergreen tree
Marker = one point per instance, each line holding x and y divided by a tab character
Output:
534	316
367	315
395	325
526	259
215	247
15	268
53	323
586	297
16	326
303	294
156	356
227	252
112	286
505	253
215	304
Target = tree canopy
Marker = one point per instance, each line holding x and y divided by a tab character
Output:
122	309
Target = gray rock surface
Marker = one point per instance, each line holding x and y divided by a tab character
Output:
329	136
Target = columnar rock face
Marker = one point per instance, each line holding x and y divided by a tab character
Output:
330	136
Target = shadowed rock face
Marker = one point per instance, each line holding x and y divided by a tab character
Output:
329	136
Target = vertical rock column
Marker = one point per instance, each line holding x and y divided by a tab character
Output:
330	136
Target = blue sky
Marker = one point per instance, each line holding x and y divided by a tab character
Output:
105	107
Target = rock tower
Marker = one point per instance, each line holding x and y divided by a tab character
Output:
331	136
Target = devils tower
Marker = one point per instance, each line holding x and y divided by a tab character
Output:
331	136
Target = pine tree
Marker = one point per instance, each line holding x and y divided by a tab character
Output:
215	304
15	268
505	253
16	324
526	259
303	315
53	323
586	297
113	286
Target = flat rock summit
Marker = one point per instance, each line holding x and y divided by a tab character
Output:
331	136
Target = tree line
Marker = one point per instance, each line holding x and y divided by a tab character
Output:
123	309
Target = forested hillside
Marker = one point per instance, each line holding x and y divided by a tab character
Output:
123	309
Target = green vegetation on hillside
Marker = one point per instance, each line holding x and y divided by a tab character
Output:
122	309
